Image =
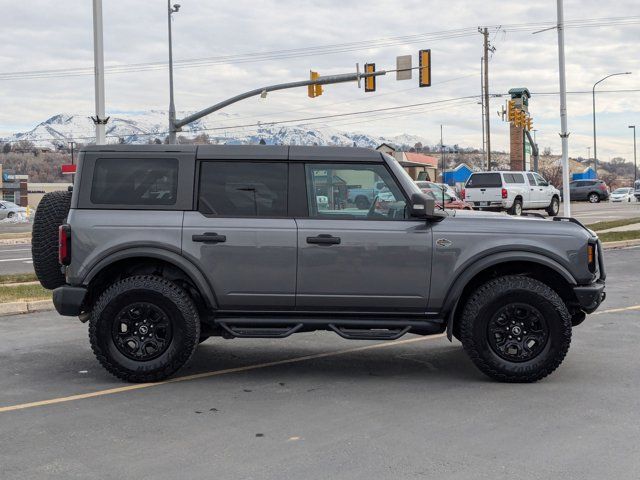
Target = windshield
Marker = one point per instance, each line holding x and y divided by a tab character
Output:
484	180
621	190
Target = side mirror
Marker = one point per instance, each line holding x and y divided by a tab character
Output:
422	206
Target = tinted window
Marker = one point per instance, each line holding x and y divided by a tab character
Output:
518	178
508	178
135	181
532	180
482	180
541	181
366	192
243	189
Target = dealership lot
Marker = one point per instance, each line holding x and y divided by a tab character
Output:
317	406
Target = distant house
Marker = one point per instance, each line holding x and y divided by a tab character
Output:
418	165
587	174
458	175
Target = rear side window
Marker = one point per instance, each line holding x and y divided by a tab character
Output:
135	181
243	189
513	178
484	180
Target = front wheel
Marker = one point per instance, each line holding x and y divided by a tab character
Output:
144	328
594	198
515	329
554	207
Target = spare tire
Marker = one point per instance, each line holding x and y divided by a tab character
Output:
52	212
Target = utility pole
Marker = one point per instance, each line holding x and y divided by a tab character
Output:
635	167
564	135
172	106
98	64
483	113
487	118
443	163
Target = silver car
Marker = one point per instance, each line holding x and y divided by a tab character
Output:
11	210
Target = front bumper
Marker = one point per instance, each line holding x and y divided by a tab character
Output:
590	296
69	300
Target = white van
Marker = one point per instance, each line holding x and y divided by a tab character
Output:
512	192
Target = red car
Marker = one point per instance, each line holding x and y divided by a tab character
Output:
449	202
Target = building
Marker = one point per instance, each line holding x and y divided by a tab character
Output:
13	188
587	174
418	165
457	176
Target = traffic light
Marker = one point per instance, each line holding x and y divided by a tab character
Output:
314	90
424	70
529	123
521	118
511	110
370	82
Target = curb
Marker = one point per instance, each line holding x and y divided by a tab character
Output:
17	308
620	244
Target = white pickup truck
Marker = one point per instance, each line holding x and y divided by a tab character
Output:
512	192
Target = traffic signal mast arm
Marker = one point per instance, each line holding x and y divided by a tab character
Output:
325	80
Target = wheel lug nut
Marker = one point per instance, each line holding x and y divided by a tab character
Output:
510	336
518	338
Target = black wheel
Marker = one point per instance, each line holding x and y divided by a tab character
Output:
554	207
362	203
516	329
144	328
593	197
516	208
10	215
52	212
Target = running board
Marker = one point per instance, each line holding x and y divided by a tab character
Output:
349	328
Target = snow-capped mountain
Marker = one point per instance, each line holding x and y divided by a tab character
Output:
149	126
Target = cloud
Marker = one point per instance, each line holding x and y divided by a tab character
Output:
43	35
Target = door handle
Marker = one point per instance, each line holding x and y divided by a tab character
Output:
209	237
324	240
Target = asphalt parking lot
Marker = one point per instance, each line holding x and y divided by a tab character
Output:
316	406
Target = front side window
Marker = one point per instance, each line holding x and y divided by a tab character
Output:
149	181
532	180
243	189
541	181
363	192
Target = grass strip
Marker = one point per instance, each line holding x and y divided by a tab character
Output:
618	236
596	227
23	292
18	277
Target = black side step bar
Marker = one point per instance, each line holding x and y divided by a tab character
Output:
240	331
369	334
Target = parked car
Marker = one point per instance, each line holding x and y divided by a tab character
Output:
450	202
622	195
425	185
159	247
513	192
363	197
447	188
636	191
593	191
11	210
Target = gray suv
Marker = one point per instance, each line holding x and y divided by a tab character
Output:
162	247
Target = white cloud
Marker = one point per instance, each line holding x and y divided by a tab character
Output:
42	35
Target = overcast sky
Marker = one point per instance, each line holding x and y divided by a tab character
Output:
46	35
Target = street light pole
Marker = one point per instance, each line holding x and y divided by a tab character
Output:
595	151
98	64
635	166
172	108
564	135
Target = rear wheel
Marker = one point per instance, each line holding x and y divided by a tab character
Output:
10	215
516	208
362	203
593	197
52	212
144	328
516	329
554	207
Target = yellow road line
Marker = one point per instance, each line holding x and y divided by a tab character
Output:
140	386
616	310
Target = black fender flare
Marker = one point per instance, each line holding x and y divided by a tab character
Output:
462	280
192	271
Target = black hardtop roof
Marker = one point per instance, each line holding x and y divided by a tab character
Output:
252	152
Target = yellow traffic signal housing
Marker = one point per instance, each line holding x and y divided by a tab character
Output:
424	70
511	110
529	123
314	90
369	82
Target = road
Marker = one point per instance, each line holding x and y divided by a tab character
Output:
15	259
395	410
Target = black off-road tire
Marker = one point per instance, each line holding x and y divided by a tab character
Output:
554	207
516	208
162	294
487	301
52	212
